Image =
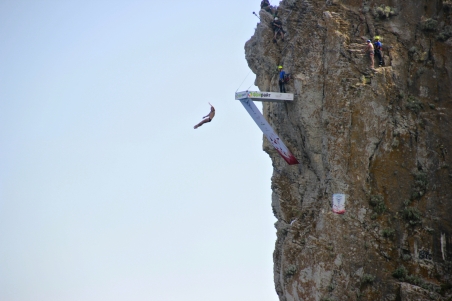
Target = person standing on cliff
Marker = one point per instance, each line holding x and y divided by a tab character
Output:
282	73
370	51
378	50
277	28
208	117
265	5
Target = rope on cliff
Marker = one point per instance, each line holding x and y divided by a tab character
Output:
243	81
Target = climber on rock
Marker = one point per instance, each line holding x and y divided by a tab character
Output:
282	73
370	51
208	117
378	51
277	28
265	5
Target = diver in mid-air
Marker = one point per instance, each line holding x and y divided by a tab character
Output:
208	117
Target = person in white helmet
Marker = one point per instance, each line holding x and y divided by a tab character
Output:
277	28
208	117
370	51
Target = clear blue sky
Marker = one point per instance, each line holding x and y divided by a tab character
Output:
106	190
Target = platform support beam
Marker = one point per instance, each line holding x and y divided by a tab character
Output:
268	131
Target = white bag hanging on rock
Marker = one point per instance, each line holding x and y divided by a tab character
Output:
339	203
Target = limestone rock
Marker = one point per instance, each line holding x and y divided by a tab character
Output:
381	137
410	292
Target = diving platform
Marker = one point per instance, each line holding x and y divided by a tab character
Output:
247	98
264	96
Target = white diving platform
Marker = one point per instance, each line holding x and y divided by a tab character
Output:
246	98
264	96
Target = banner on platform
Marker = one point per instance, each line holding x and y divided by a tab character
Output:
264	96
268	131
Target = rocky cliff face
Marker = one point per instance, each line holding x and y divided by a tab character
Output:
382	138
